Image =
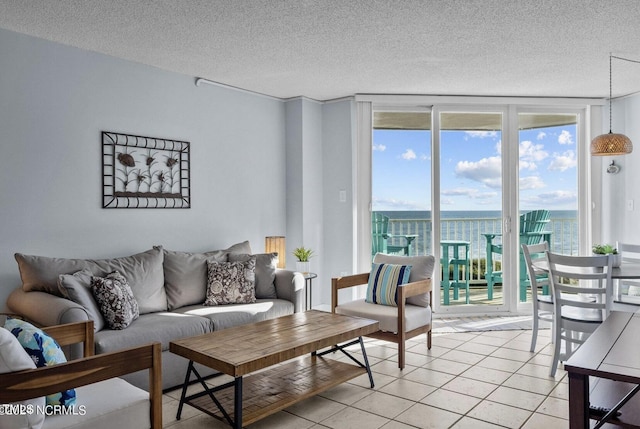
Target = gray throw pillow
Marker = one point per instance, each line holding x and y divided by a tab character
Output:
421	269
77	288
185	274
116	300
231	282
266	264
143	271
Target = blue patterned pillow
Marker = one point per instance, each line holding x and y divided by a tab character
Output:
384	281
44	351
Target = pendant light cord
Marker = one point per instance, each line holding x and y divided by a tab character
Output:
611	85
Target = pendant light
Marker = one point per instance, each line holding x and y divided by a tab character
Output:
611	143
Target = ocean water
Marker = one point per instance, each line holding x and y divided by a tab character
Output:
472	225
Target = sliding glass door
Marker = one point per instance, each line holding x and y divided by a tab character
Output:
454	181
470	200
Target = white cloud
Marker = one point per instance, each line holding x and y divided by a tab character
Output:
531	182
425	157
551	199
564	161
530	154
393	204
409	155
447	202
469	193
459	191
565	137
541	135
481	134
379	147
486	171
484	195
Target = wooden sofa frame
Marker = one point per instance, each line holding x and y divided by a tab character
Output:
33	383
404	291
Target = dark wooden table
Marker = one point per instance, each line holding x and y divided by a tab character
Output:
262	359
611	356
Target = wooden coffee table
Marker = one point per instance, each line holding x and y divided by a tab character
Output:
278	345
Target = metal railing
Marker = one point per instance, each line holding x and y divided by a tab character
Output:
564	237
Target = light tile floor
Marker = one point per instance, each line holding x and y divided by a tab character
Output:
467	380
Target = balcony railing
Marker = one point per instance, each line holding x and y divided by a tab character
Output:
564	237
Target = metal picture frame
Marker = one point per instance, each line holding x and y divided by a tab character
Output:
145	172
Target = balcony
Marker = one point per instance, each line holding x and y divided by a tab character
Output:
564	239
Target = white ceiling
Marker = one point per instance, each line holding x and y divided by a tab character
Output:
328	49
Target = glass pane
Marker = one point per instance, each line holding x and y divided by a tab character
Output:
401	183
549	182
470	203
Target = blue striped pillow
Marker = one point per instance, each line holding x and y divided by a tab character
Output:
384	281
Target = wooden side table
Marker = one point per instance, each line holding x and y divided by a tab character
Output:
308	279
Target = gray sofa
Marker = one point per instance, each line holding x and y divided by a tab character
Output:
169	288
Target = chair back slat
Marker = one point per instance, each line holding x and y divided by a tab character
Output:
586	275
379	231
583	294
534	221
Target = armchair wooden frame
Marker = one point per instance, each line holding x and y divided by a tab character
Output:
33	383
404	291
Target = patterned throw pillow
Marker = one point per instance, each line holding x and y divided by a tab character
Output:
231	282
44	351
384	281
115	299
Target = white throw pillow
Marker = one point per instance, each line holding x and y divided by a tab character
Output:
14	358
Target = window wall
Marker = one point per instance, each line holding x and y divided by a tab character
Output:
472	169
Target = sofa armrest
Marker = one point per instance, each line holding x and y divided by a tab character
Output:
290	286
45	309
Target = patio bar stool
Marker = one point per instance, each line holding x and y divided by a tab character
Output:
460	258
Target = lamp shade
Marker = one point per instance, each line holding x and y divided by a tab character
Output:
611	144
276	244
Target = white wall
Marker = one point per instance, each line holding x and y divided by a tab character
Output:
339	136
54	102
319	161
618	222
305	224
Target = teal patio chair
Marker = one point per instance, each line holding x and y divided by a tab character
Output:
380	237
532	231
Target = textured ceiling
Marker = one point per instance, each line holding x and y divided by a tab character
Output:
328	49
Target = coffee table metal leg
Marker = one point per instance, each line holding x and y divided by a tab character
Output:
237	403
184	389
366	361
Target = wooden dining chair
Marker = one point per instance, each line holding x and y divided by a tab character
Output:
539	281
629	253
582	294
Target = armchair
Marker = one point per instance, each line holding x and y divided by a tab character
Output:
532	225
107	400
409	319
380	237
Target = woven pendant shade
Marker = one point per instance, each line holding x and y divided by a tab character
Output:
611	144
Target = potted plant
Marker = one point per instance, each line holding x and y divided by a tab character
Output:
607	249
302	254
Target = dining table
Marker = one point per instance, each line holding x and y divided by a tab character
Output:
604	375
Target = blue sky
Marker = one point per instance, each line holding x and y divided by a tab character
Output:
470	169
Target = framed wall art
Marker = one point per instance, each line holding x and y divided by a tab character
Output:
145	172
